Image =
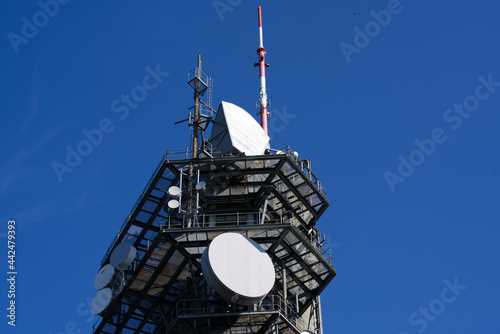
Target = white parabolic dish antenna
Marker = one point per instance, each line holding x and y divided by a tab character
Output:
174	191
235	129
123	256
104	277
238	268
101	301
173	204
201	186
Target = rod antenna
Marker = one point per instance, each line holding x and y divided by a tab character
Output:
262	75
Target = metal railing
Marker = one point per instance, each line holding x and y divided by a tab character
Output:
230	219
245	219
304	165
271	303
182	153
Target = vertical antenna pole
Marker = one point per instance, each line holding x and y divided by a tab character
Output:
196	112
285	297
262	74
190	210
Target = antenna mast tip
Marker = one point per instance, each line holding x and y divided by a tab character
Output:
260	17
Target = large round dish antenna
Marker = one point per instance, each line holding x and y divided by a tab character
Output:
101	301
104	277
238	268
123	256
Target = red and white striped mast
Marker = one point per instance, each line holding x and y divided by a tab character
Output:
262	74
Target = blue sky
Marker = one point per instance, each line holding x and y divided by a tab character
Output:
396	103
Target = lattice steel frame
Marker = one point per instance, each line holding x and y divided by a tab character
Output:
281	181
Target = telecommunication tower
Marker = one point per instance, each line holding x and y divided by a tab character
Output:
223	239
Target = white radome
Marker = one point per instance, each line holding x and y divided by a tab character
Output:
104	277
238	268
173	204
201	185
234	128
101	301
174	191
123	256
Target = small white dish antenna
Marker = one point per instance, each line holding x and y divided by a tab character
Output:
174	191
296	154
104	277
101	301
173	204
201	186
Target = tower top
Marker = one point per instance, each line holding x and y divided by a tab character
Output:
262	74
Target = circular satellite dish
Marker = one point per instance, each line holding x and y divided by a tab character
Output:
238	268
104	277
296	154
101	301
173	204
201	185
174	191
123	256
